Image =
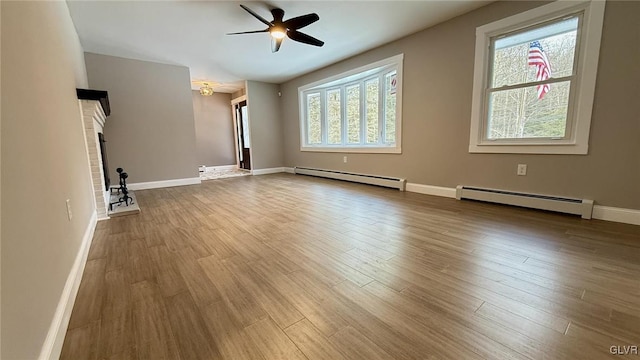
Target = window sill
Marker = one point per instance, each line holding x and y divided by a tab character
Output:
566	149
360	150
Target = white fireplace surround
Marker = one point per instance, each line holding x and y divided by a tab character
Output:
93	119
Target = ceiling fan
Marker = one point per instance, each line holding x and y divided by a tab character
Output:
278	28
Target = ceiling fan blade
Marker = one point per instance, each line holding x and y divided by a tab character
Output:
304	38
265	21
248	32
275	44
301	21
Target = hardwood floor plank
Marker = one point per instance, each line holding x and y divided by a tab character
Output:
269	299
427	341
115	334
200	286
117	294
311	342
227	333
140	266
284	266
213	240
82	342
593	342
271	341
177	238
356	346
168	276
116	315
128	354
240	299
117	251
154	338
91	291
189	330
98	247
324	315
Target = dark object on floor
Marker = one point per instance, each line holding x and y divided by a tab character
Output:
121	189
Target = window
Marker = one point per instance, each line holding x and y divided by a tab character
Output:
534	80
357	111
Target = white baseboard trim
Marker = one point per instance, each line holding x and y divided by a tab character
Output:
267	171
221	167
52	346
164	183
600	212
431	190
621	215
289	170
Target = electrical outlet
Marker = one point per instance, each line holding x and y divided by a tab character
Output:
522	169
344	159
69	213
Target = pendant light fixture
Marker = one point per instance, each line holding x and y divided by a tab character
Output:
206	90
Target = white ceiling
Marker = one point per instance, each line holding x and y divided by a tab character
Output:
192	33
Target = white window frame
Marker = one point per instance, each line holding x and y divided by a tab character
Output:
343	81
582	87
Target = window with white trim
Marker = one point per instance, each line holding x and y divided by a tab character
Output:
357	111
534	80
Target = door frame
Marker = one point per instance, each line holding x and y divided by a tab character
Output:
234	102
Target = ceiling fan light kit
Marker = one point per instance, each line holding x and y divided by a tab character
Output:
279	29
278	33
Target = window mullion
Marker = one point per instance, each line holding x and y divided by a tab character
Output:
307	124
343	115
306	118
381	130
323	117
363	115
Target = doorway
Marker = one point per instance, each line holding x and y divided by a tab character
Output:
243	139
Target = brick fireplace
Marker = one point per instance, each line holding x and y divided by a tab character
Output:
94	107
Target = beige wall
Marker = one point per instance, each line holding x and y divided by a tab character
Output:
0	189
44	162
214	129
265	121
438	79
150	132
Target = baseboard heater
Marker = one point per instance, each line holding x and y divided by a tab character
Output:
385	181
582	207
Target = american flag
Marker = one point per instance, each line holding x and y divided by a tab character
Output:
538	58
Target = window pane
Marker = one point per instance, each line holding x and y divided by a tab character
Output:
334	117
246	139
520	113
390	108
353	114
314	122
536	54
371	89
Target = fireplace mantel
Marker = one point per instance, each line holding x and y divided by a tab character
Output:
99	95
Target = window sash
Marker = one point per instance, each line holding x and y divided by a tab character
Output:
532	83
340	91
307	123
570	117
576	51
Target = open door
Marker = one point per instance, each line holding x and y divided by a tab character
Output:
242	137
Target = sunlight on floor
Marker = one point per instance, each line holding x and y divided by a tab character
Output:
213	173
